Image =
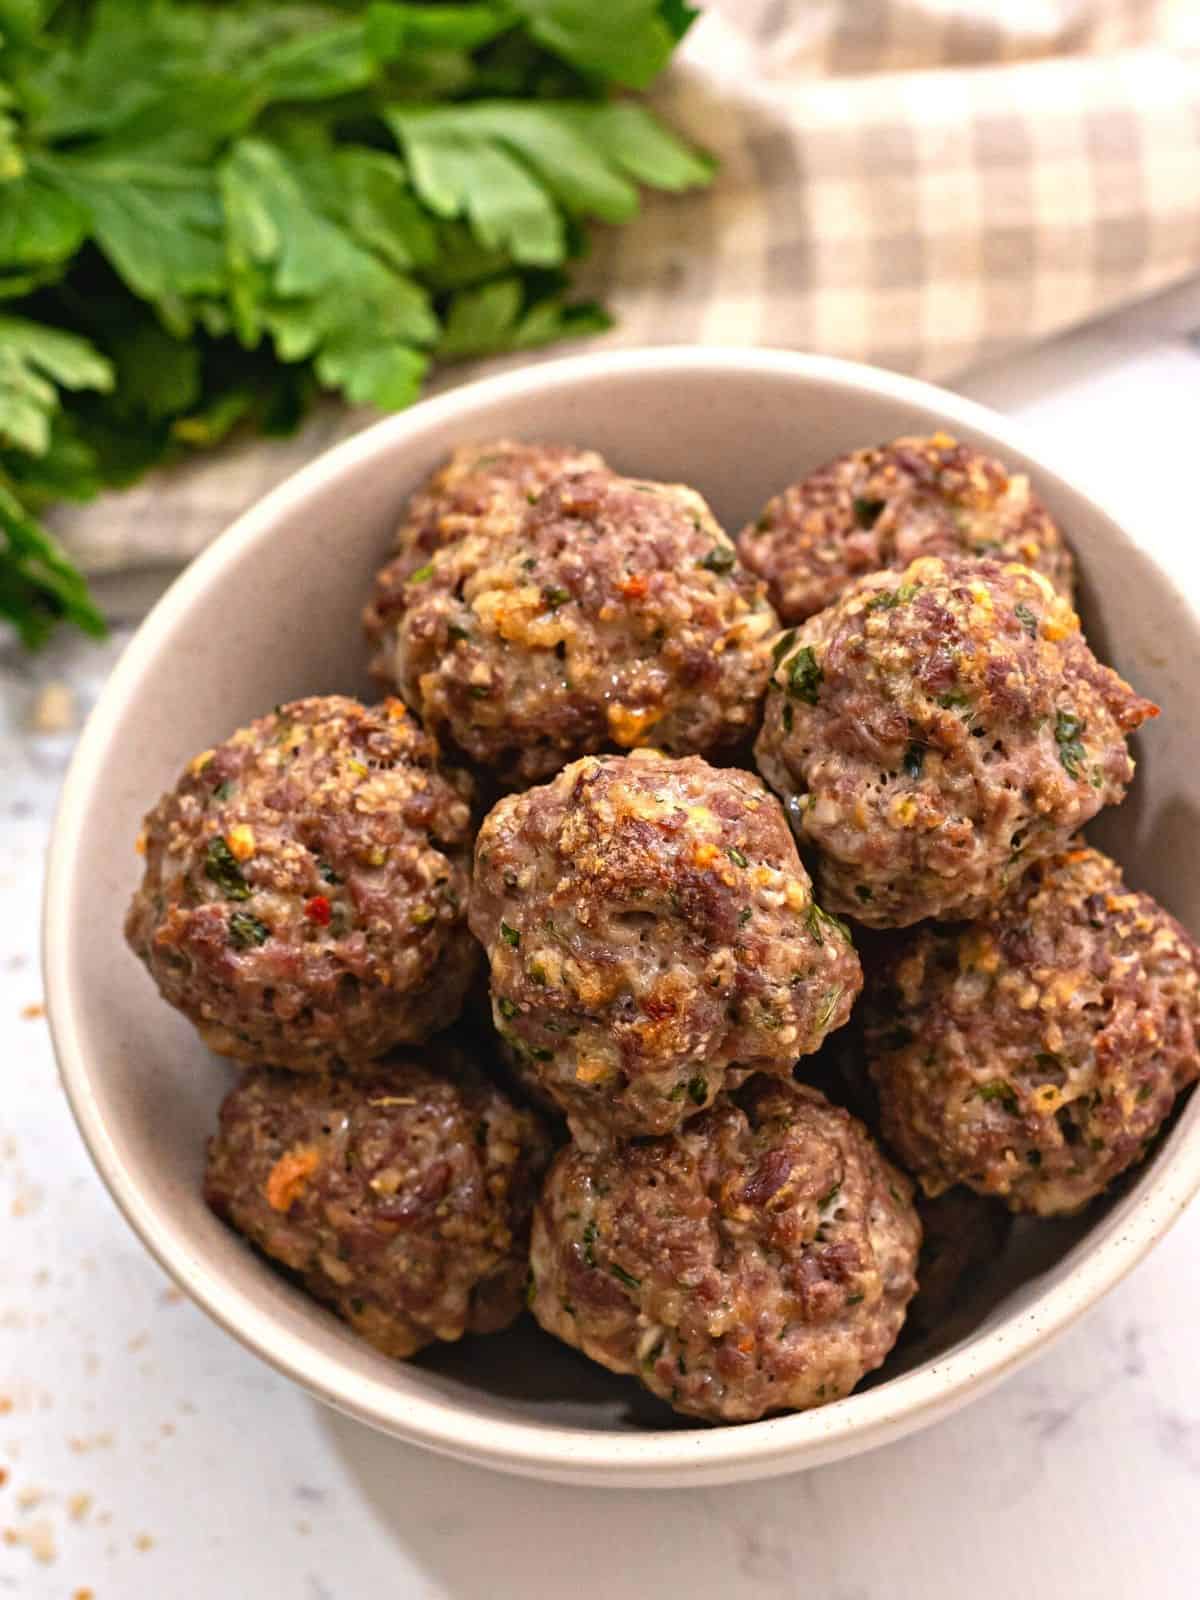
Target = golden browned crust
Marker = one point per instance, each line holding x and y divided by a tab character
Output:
653	938
758	1259
1034	1054
882	508
936	731
402	1197
304	898
613	614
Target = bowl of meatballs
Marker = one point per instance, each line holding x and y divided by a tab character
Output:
630	924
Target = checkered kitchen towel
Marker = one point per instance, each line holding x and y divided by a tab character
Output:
919	183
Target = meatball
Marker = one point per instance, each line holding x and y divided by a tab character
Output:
304	899
612	613
962	1234
884	507
758	1259
402	1198
653	939
1034	1054
937	730
482	487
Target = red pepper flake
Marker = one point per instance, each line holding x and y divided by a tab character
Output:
319	910
634	586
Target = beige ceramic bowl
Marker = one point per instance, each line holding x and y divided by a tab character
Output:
270	612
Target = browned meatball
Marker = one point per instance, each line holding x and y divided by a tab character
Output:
937	730
880	508
1035	1054
402	1197
305	893
758	1259
653	939
481	488
614	613
962	1235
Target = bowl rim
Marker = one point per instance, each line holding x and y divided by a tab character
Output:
700	1455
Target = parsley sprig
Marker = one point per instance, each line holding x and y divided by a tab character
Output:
209	213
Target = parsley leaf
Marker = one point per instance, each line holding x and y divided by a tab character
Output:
625	40
246	931
38	585
721	558
1071	751
220	865
868	512
511	314
804	675
782	645
818	920
35	363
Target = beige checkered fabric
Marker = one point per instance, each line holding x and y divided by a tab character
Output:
925	184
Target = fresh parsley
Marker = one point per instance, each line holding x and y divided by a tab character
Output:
914	760
1071	752
868	512
210	213
818	921
999	1089
804	675
246	931
782	645
221	867
889	599
829	1005
720	558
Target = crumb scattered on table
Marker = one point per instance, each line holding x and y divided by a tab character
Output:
54	709
38	1537
96	1441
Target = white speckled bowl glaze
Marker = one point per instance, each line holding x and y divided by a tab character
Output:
271	611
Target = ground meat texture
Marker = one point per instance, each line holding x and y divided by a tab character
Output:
614	614
304	900
653	939
758	1259
482	488
962	1234
882	508
936	731
401	1198
1034	1054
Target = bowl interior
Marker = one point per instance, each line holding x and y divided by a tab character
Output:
272	612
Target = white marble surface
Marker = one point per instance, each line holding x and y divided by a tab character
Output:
146	1455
